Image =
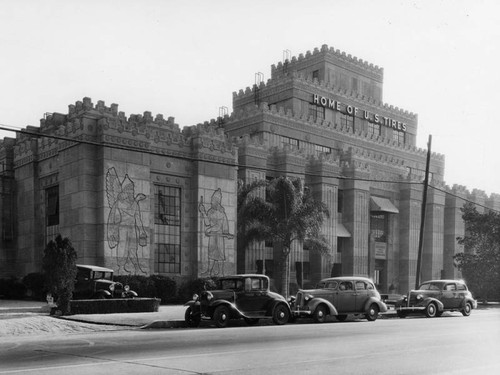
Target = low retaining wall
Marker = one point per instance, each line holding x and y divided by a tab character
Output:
114	306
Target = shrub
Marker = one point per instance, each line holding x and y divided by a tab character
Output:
59	265
166	288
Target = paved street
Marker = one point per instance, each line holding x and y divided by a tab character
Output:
449	345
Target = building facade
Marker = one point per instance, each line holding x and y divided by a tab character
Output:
141	196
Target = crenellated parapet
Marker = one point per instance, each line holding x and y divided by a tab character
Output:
342	94
291	119
328	53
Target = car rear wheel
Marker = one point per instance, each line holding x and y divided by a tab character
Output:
320	314
341	318
431	310
192	319
221	316
467	309
280	314
372	314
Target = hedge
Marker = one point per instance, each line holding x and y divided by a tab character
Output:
114	305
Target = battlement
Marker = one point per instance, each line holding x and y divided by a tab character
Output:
86	106
249	93
288	115
328	52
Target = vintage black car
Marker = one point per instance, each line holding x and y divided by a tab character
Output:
339	297
434	297
97	282
238	297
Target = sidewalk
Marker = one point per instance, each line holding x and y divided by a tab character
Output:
168	316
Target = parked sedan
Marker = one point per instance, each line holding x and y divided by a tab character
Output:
434	297
339	296
238	297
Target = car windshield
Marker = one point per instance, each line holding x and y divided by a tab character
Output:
430	286
103	275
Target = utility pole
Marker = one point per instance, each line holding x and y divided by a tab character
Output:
422	218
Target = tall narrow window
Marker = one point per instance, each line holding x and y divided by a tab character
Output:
167	230
373	129
398	136
51	213
347	121
316	112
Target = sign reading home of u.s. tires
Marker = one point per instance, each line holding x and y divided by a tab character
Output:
357	112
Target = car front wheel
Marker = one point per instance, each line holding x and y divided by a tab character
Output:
372	314
467	309
320	314
280	314
192	319
221	316
431	310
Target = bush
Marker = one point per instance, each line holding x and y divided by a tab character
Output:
12	288
191	287
166	288
35	285
114	305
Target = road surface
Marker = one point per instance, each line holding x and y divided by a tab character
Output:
452	344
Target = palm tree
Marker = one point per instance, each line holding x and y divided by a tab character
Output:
287	213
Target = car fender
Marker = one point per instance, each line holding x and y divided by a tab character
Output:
192	303
106	293
130	294
439	304
382	307
472	301
315	302
276	303
235	312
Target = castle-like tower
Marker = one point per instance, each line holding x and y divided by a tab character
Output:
321	117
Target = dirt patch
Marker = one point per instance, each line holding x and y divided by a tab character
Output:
23	325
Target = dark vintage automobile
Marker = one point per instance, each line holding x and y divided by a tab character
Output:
238	297
434	297
97	282
339	297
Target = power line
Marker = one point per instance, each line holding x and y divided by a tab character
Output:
11	128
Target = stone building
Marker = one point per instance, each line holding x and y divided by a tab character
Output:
134	194
142	196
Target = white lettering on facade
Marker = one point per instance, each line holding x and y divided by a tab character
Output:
354	111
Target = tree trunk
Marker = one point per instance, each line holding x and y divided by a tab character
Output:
285	274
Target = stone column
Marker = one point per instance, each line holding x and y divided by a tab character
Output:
453	227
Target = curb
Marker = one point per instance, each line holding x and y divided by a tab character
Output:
165	324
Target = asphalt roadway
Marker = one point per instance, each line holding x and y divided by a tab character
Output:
452	344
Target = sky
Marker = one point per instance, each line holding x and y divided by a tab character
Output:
185	59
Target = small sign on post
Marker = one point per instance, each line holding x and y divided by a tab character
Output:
50	300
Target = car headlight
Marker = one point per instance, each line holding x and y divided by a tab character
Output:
210	296
420	297
308	297
195	297
126	288
112	287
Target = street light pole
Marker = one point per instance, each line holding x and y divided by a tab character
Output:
422	218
